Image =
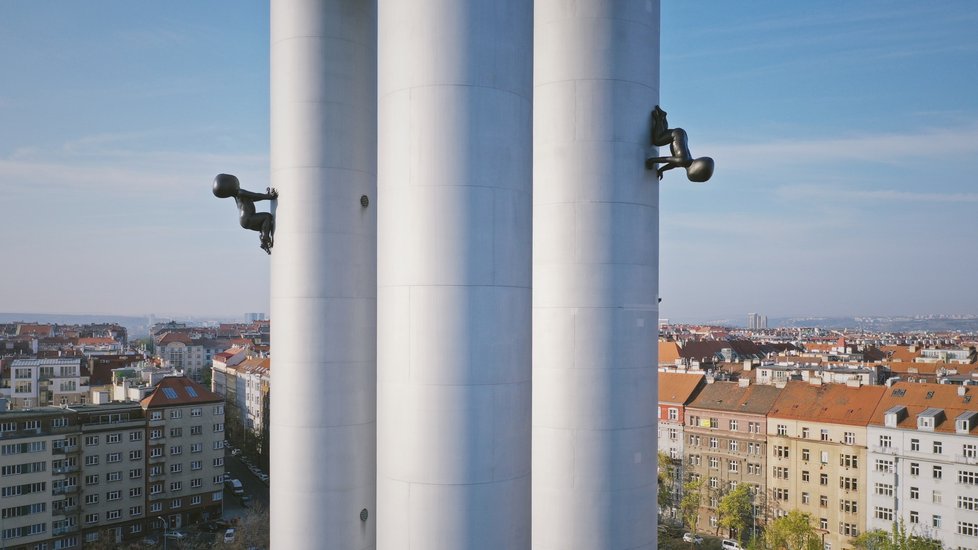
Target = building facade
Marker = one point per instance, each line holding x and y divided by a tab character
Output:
817	456
923	462
726	445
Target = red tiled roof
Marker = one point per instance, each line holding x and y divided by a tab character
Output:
918	397
830	403
174	391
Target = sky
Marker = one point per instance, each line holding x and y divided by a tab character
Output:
845	136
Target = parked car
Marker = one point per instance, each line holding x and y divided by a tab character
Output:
229	536
690	537
263	478
729	544
175	535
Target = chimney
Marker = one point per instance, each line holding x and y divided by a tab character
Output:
743	382
962	390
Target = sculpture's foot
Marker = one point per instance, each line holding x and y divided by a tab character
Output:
266	245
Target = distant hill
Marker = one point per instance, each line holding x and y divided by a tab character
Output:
136	326
930	323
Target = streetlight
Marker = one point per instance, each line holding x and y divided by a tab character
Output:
165	526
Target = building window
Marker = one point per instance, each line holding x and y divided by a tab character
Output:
754	427
113	457
936	497
734	467
176	503
914	469
849	461
967	477
176	486
805	476
733	425
714	443
806	455
938	447
113	476
136	492
884	489
968	529
914	517
825	435
113	495
914	444
782	429
196	483
113	514
806	498
780	451
823	479
886	441
195	500
135	436
850	438
914	493
848	483
91	440
805	433
195	412
156	507
938	472
733	445
968	503
714	483
91	518
883	465
136	454
113	438
714	423
136	511
935	521
91	460
135	473
823	501
823	524
780	494
91	499
196	430
884	513
91	479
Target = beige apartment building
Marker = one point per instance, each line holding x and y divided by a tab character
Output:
817	456
726	445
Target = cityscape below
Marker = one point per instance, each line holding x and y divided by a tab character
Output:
110	439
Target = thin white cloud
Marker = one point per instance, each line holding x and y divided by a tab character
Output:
841	194
896	149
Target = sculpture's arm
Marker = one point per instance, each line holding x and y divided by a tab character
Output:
258	196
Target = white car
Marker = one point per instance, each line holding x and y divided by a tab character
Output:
695	539
729	544
229	535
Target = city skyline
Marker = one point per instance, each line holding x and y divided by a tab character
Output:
844	137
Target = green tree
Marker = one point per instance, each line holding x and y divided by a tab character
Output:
791	532
735	510
689	505
896	539
667	485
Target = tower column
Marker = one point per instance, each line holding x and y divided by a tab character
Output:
595	275
454	261
323	276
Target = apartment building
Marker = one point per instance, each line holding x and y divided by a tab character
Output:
80	474
178	351
923	462
726	444
817	456
53	381
185	451
38	479
675	391
112	475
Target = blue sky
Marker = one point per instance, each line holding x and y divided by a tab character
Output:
845	136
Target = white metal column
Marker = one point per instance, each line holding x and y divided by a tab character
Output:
454	262
323	289
595	275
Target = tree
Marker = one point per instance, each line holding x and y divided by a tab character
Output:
896	539
792	532
251	532
735	509
667	484
689	505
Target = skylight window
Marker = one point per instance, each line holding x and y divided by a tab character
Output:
190	391
170	393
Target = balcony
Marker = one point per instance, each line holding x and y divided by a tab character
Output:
64	530
71	449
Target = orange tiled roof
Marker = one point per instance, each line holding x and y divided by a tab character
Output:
900	353
668	352
171	337
918	397
678	387
829	403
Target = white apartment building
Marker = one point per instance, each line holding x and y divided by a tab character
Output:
41	382
923	462
179	352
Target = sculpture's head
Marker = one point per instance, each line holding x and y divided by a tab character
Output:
700	169
226	185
